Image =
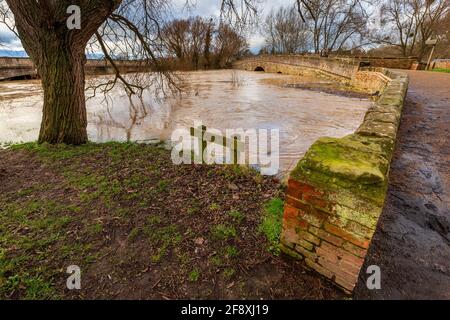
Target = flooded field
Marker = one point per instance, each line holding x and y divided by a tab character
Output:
222	100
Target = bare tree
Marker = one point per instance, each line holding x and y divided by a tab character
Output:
208	43
199	30
228	45
203	43
411	23
285	32
175	35
131	26
334	24
442	30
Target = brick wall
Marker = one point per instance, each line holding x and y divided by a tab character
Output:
390	62
370	81
441	64
336	193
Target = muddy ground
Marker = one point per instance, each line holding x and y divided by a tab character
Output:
140	227
412	242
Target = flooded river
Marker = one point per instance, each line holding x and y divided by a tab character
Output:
223	100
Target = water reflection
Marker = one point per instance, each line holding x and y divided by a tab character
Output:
220	99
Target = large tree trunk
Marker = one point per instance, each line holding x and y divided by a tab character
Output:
58	54
64	113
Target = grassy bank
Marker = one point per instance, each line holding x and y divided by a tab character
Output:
140	227
441	70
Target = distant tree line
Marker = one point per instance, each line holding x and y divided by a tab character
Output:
394	27
199	43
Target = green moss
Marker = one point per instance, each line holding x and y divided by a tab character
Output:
194	275
223	232
134	234
216	261
214	207
231	252
355	162
229	273
392	99
378	128
271	223
95	228
236	215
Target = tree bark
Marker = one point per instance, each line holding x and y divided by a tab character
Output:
63	80
58	54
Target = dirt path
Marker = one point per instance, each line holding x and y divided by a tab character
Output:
412	242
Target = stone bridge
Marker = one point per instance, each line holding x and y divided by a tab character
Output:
17	68
337	192
340	66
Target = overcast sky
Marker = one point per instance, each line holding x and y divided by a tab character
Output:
205	8
211	8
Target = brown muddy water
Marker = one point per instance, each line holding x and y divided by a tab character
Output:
226	99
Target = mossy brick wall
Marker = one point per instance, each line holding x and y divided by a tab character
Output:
336	193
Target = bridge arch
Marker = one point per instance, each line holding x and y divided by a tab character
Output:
259	68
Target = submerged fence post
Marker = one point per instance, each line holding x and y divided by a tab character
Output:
235	151
201	143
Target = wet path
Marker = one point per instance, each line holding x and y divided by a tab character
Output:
412	242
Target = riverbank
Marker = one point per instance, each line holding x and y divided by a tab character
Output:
140	227
225	99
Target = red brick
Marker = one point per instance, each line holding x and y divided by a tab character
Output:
293	190
302	224
338	270
290	213
358	229
318	202
323	271
337	221
289	224
298	204
343	282
312	219
360	242
303	188
289	251
310	237
330	256
305	253
342	254
352	259
350	267
357	251
330	238
305	244
289	237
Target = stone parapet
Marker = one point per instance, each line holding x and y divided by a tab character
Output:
337	191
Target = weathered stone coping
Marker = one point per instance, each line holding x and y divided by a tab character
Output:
337	191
